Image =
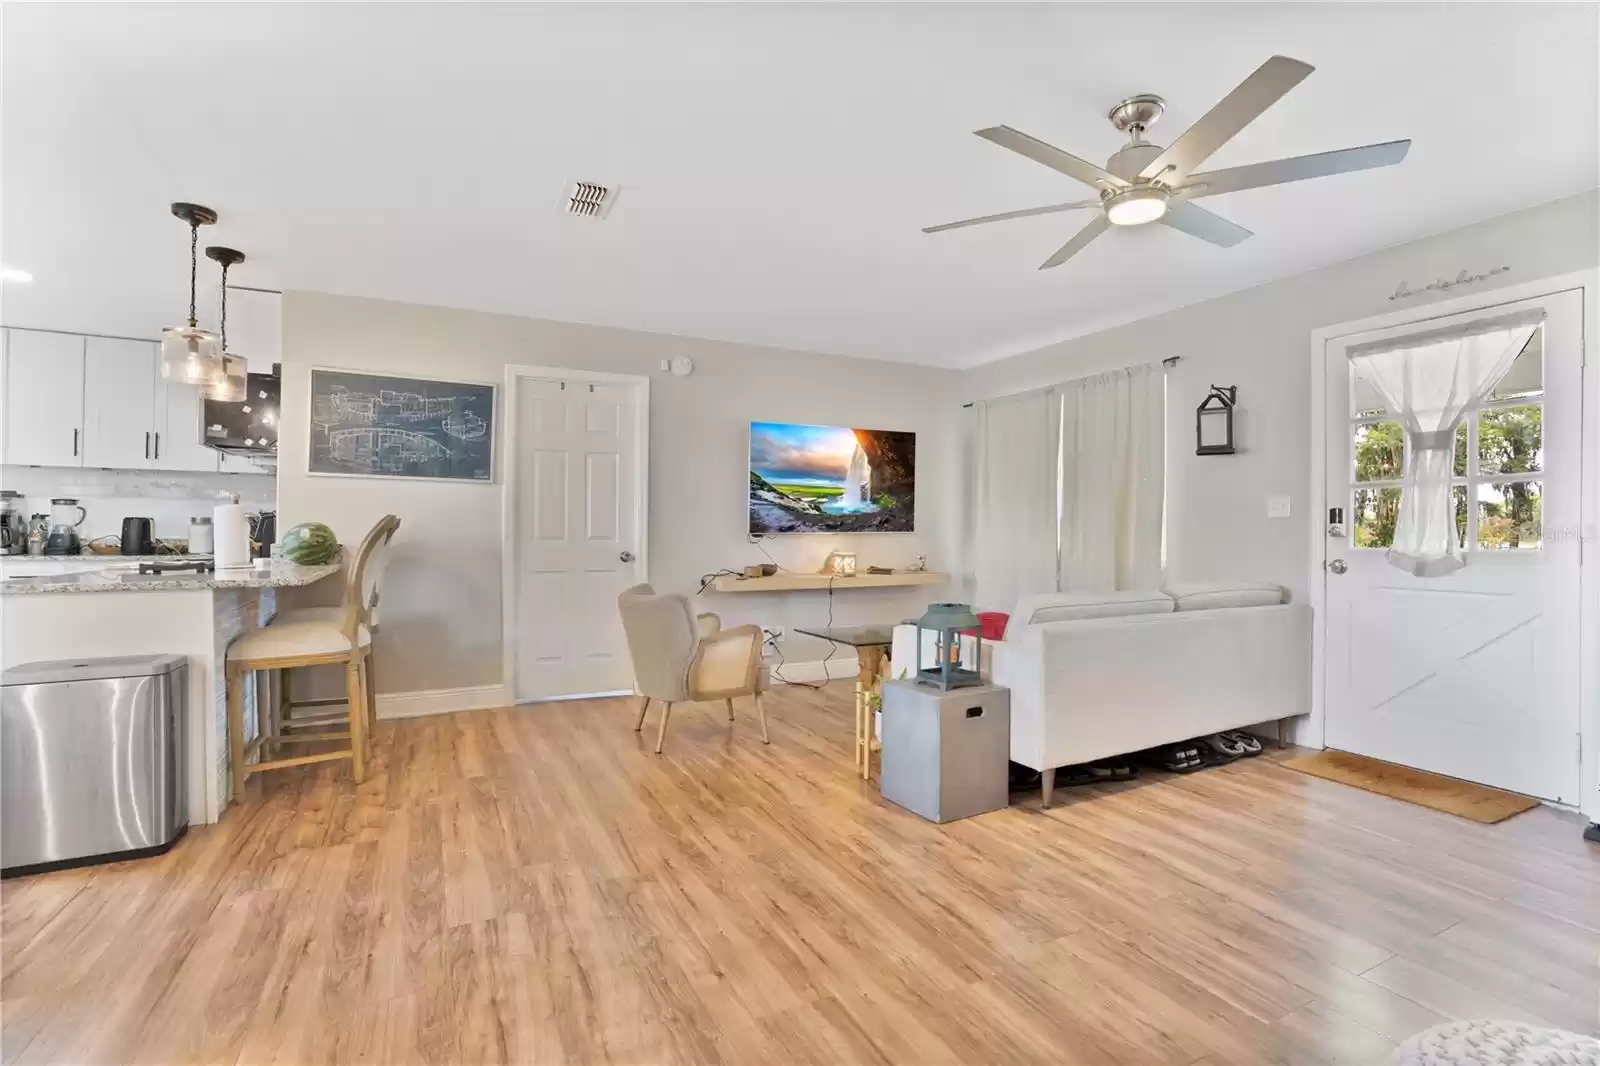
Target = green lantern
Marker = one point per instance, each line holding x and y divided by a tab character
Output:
948	621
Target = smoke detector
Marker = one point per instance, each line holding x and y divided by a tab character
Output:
588	199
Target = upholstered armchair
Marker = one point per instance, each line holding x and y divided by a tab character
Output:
678	657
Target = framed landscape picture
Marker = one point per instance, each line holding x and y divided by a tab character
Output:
375	425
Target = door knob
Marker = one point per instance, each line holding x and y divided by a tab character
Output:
1338	566
626	557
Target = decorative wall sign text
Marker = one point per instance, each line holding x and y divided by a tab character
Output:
1404	291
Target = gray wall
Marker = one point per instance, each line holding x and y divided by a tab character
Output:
1260	340
442	596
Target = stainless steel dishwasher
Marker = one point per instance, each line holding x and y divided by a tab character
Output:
93	755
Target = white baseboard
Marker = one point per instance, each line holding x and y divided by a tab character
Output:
441	701
842	666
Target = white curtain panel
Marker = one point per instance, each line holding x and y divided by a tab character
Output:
1429	381
1113	467
1016	520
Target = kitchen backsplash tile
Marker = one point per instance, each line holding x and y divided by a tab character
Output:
168	498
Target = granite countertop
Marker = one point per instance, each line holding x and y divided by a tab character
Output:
123	576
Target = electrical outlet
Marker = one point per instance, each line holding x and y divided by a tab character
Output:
771	634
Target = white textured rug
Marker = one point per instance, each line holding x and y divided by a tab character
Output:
1497	1044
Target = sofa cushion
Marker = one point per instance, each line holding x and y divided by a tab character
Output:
1070	606
1211	595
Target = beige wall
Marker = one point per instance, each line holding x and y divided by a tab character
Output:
1260	340
443	593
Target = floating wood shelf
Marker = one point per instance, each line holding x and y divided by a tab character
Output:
789	581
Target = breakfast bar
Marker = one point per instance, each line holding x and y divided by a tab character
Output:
87	607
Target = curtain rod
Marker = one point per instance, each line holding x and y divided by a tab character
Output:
1171	360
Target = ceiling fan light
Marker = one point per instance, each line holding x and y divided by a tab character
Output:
1136	206
189	355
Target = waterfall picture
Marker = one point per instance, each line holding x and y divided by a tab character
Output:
831	479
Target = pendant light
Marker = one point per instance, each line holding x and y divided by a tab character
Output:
189	353
228	382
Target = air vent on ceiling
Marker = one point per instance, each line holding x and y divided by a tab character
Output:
587	199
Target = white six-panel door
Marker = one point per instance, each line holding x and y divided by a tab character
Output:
575	534
1474	675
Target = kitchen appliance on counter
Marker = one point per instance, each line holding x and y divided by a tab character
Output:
93	753
65	518
263	534
250	426
137	537
13	524
201	539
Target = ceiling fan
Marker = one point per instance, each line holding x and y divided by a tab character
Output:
1145	182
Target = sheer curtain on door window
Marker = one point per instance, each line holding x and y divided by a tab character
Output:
1016	499
1429	381
1113	477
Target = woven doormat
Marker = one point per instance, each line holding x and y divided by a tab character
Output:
1480	804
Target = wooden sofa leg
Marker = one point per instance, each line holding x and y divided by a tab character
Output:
1047	785
644	705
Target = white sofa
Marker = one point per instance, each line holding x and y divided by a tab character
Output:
1102	674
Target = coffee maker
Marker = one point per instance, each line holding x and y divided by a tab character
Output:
13	523
64	523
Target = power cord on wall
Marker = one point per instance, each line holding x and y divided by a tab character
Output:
770	641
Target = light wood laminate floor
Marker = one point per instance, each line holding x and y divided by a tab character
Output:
535	886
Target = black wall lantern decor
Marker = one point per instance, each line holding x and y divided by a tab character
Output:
1213	421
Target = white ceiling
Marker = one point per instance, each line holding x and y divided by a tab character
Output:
776	162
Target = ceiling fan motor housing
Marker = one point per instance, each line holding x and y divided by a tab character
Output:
1127	163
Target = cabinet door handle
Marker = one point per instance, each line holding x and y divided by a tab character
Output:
147	444
158	444
74	443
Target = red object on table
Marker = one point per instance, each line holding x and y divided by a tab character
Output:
993	624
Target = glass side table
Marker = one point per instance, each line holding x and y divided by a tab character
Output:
872	645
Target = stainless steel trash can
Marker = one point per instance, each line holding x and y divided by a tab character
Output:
946	753
93	760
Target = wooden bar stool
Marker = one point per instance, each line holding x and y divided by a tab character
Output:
316	640
299	721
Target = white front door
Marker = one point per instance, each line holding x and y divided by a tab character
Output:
576	535
1474	675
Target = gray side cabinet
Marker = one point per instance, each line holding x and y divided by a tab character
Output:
946	754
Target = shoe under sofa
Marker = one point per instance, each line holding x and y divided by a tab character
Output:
1096	675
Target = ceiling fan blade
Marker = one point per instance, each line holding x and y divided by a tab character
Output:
1051	156
1236	111
1076	245
1198	222
1048	209
1299	168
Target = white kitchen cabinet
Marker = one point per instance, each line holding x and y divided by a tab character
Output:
119	394
42	383
255	327
178	411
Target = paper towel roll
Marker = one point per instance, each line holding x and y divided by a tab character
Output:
231	536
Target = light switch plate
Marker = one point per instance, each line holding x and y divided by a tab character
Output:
1277	507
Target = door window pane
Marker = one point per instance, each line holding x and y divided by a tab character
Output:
1458	500
1374	517
1511	440
1460	463
1526	376
1510	516
1380	450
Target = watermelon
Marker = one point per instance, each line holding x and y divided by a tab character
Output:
308	544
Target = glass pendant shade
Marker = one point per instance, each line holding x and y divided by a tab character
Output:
190	355
228	384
